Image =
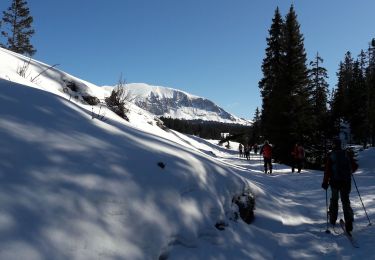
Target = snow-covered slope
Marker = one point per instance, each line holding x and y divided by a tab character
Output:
40	75
76	187
49	78
169	102
73	187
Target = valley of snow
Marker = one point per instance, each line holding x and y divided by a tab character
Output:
73	186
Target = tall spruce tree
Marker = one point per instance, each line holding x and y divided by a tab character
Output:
271	69
295	117
1	44
286	108
18	21
318	84
256	127
341	103
357	113
370	89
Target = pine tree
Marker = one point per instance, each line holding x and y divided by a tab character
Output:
370	90
256	130
286	109
341	102
1	44
318	84
271	69
294	108
338	98
357	101
18	20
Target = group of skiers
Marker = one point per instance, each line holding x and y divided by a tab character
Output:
298	154
244	150
339	166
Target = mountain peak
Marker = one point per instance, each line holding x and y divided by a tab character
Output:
169	102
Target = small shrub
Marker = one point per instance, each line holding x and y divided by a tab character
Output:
116	104
118	99
71	85
23	69
91	100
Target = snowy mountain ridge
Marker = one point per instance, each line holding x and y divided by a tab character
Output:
169	102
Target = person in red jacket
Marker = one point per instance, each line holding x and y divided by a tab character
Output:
266	150
339	167
298	154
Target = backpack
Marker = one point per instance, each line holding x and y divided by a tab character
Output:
267	151
341	165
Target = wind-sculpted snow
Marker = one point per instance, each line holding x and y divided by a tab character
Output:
73	187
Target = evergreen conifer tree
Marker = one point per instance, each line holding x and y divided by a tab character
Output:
357	99
256	130
18	20
294	107
1	44
370	89
271	69
341	103
318	84
286	109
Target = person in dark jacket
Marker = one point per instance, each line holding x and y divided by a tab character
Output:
338	170
266	150
255	147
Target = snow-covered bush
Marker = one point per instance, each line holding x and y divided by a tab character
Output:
245	205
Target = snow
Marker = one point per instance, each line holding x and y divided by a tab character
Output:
142	89
141	93
76	187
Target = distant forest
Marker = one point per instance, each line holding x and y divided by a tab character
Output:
208	129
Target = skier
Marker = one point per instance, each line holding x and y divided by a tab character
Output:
338	170
298	154
266	150
240	149
247	152
255	147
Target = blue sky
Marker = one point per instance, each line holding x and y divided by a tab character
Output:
209	48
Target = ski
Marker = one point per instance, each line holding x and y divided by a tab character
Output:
334	230
348	234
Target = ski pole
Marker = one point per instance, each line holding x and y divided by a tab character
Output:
361	201
327	230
